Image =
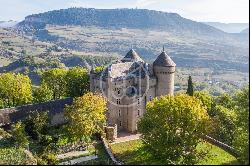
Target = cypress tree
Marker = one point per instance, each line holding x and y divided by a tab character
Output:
190	90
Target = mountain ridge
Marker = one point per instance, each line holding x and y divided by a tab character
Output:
228	27
113	31
120	18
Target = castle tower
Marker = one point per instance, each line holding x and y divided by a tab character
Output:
164	69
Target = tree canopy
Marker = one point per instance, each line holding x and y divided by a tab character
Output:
77	81
241	141
42	94
55	80
86	116
15	90
190	90
173	126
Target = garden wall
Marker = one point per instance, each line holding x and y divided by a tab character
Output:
55	109
223	146
109	152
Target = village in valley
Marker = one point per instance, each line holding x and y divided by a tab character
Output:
91	86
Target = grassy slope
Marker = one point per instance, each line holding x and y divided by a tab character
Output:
131	153
11	155
148	41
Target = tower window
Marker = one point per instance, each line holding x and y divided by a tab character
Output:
150	98
118	101
138	112
119	112
118	92
138	101
120	123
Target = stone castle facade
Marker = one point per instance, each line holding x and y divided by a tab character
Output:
129	83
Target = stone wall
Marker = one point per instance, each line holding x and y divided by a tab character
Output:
55	109
109	152
223	146
111	132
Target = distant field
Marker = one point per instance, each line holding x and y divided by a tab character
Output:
131	153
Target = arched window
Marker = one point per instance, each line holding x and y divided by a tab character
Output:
119	112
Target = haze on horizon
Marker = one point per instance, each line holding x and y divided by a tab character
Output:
225	11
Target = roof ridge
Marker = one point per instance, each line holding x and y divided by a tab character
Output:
132	56
164	60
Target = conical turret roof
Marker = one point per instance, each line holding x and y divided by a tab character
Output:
132	56
164	60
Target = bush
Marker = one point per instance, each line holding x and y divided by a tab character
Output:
19	135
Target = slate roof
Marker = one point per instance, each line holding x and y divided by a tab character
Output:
132	56
164	60
131	65
125	70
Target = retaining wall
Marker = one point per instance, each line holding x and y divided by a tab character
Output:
108	150
55	109
223	146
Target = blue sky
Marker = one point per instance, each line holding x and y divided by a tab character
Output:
199	10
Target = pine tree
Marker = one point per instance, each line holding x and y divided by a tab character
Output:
190	90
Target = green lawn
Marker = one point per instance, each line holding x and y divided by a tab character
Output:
131	152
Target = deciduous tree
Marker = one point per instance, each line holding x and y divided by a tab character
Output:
86	116
42	94
173	126
55	80
241	141
19	135
15	90
77	81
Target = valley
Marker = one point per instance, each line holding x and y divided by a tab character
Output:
195	47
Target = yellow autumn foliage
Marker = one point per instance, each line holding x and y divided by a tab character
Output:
86	115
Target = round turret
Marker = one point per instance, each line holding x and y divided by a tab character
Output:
164	69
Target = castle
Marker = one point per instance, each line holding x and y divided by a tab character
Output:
129	83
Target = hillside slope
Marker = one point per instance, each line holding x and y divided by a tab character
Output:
228	27
114	31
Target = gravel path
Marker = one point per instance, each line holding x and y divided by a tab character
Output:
71	154
79	160
124	137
